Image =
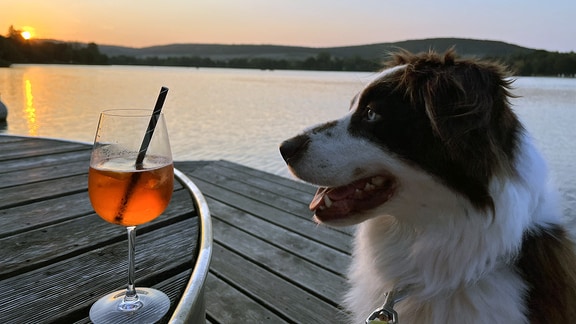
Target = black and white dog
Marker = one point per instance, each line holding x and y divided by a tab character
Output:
452	198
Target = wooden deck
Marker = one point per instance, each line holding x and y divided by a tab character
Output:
270	262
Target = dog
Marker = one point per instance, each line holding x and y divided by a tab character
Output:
452	201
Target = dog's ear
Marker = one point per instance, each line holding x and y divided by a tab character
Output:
443	88
462	100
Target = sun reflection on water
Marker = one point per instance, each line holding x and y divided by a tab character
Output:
30	111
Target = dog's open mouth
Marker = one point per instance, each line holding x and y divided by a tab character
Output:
336	203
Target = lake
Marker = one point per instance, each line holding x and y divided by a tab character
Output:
243	115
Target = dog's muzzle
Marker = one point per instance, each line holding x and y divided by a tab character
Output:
292	149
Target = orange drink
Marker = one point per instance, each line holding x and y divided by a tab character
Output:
123	195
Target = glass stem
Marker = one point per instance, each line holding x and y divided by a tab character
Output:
131	289
131	302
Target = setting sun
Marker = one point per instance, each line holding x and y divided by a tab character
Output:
26	34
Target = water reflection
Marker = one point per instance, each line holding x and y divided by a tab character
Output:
30	111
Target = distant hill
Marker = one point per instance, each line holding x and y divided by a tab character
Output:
214	51
464	47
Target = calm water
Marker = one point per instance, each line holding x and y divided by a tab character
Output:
242	115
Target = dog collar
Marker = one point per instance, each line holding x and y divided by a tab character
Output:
386	314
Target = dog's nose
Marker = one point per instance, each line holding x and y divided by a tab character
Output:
291	148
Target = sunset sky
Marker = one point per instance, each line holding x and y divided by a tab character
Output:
549	25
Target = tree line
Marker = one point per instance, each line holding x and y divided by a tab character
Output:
542	63
15	49
320	62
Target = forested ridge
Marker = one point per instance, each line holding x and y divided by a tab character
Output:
522	61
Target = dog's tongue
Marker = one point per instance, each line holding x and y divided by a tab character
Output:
337	193
340	206
318	198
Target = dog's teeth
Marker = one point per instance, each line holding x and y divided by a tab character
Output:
327	201
358	194
369	186
377	181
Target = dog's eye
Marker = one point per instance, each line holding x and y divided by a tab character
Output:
371	115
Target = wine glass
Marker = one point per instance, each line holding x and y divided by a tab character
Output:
130	182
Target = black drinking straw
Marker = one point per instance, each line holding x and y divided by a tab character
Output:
141	153
151	126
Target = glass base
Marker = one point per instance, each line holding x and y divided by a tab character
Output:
151	306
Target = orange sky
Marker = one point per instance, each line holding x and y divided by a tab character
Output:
547	25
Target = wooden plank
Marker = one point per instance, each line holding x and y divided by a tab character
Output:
45	160
225	305
28	193
312	251
292	183
298	191
10	139
292	303
32	175
314	279
258	189
43	213
34	147
188	167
